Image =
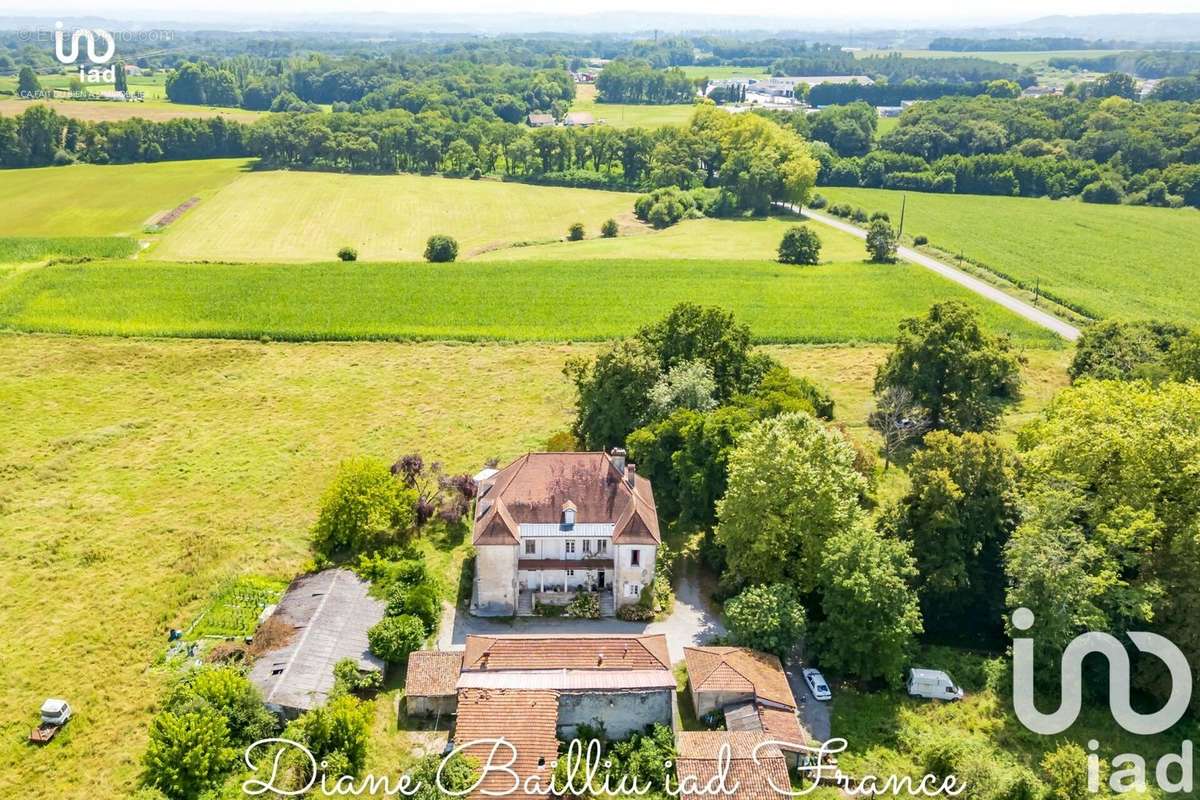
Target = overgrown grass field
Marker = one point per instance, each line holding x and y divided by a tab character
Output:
509	301
92	200
1109	261
141	476
156	110
307	216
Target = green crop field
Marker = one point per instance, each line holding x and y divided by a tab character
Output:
1111	261
22	249
630	115
115	449
508	301
306	216
90	200
722	239
725	72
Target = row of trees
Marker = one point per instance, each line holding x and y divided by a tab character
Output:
1052	146
629	81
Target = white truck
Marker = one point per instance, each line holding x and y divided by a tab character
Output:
933	684
55	714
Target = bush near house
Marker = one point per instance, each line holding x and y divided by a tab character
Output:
800	245
393	638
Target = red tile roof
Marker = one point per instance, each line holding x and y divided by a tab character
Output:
760	773
432	673
535	488
525	718
561	652
738	669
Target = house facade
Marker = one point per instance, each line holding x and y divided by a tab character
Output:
554	523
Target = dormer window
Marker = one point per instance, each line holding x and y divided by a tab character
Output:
568	514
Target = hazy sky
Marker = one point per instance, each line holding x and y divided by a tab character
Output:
861	11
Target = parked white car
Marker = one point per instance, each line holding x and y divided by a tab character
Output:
933	684
817	684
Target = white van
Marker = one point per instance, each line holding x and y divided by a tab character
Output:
933	684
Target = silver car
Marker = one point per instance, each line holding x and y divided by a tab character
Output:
816	684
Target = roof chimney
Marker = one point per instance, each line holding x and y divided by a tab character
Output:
631	474
618	459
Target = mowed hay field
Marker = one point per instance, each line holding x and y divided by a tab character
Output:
91	200
510	301
1110	261
307	216
140	474
706	239
103	111
630	115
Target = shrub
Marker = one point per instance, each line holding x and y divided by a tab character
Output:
476	174
881	242
393	638
883	215
585	605
418	601
664	207
859	215
1102	191
549	610
635	612
800	245
920	240
441	249
336	733
347	254
349	679
818	201
226	691
187	753
575	232
562	442
609	229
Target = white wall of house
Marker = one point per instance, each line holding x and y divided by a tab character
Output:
634	570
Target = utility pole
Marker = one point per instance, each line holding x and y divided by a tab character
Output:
1037	290
903	205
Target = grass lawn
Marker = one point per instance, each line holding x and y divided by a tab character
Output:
189	463
742	239
511	301
305	216
91	200
630	115
1110	261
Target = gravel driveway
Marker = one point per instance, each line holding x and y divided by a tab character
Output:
693	621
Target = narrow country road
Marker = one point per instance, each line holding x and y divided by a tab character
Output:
1020	307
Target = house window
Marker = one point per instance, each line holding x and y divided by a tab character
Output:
587	545
633	589
570	573
570	545
530	547
601	545
635	558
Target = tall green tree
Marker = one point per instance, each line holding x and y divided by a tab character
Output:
1108	539
962	375
792	486
766	617
611	392
871	614
27	83
958	514
122	80
365	508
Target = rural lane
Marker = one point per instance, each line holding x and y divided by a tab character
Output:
1020	307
